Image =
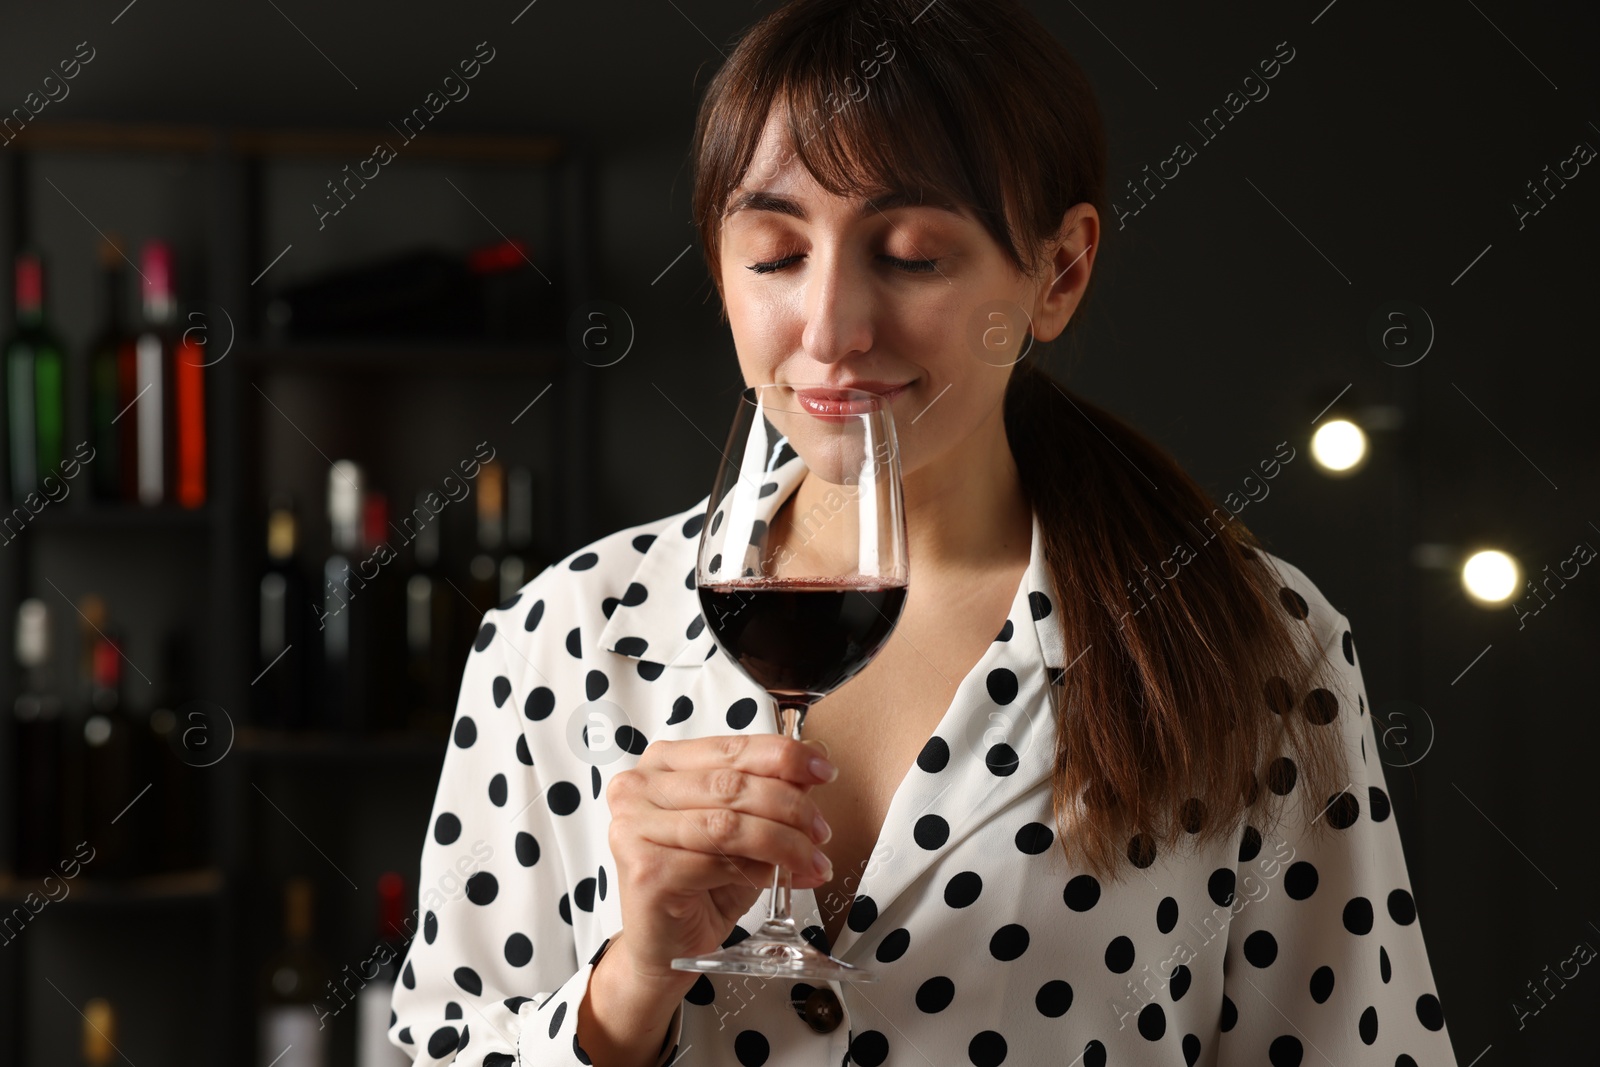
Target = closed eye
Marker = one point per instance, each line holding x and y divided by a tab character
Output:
910	266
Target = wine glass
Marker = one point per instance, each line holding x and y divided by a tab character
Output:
802	576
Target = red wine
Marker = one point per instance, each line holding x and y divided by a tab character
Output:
802	637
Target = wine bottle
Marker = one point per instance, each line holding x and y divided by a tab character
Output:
284	613
520	562
39	793
35	385
383	603
99	1033
291	1032
428	621
113	775
483	589
177	794
343	612
154	351
373	1013
105	393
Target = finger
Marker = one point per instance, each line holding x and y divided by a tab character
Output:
766	754
753	794
725	832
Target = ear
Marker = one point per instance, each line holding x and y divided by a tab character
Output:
1070	263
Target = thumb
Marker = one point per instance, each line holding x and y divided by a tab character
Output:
819	743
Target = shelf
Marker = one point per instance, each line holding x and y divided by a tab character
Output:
440	356
89	517
178	887
410	746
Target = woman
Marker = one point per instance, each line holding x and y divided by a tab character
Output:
1109	794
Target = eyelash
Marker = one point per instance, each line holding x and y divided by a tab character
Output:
910	266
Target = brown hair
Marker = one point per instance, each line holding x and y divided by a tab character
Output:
1179	710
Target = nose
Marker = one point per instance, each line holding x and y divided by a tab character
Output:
838	308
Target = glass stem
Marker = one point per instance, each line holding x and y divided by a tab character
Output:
791	717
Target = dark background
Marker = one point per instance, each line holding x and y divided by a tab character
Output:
1228	314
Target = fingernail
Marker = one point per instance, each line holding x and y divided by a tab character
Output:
822	864
823	830
823	769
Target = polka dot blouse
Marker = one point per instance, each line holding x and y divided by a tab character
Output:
1264	950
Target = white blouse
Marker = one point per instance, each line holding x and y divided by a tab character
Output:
991	949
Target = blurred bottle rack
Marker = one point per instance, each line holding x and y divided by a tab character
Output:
233	896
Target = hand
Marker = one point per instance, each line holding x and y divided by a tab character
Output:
696	829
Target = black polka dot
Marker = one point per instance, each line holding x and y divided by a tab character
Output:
602	882
893	946
405	1035
595	684
1377	803
1343	810
564	908
1295	605
535	614
631	741
1221	885
1358	915
963	889
1349	649
443	1042
485	635
563	798
1005	632
524	757
1230	1014
862	913
1300	880
430	927
527	849
408	977
691	527
869	1049
931	832
1082	893
702	992
583	894
1178	982
519	950
1402	908
1322	984
1280	698
1009	942
1053	999
1285	1051
1142	850
1383	964
1320	706
682	708
502	690
1002	683
574	643
1191	1050
584	562
540	703
1034	838
497	790
1152	1022
934	755
1001	759
935	995
631	646
466	731
1261	948
1166	915
1119	954
514	1004
446	828
482	888
696	627
736	935
742	713
1038	605
1281	775
594	782
556	1017
1249	844
986	1049
649	670
1429	1012
1094	1053
1368	1026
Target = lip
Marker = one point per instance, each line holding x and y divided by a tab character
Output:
837	400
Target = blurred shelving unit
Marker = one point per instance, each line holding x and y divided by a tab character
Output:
228	906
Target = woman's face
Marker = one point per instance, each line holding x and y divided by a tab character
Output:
918	303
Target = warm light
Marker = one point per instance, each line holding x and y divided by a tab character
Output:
1339	446
1490	576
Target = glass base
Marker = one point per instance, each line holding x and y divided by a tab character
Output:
775	951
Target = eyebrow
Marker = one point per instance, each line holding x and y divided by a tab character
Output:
760	200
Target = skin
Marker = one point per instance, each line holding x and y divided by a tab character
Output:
698	825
